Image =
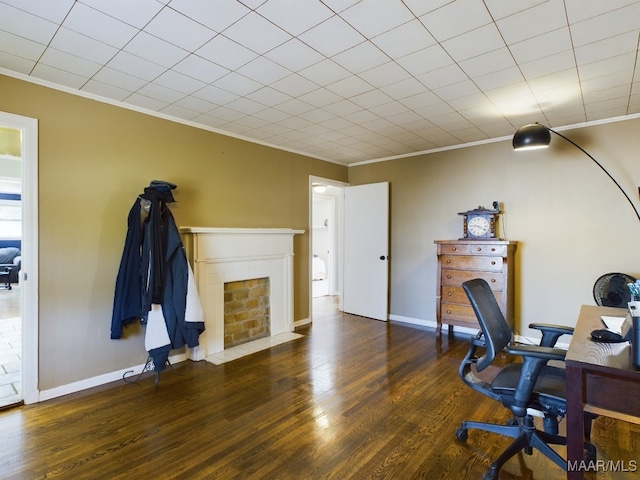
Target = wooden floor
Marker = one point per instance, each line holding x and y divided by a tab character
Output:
353	399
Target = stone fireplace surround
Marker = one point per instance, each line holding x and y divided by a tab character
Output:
222	255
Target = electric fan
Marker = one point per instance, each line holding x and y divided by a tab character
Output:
610	290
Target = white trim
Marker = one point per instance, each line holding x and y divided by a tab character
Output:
101	380
29	274
301	323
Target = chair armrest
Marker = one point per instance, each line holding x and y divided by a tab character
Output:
551	333
536	351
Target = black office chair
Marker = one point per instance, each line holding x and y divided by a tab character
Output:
526	388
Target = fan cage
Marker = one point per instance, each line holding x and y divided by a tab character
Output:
610	290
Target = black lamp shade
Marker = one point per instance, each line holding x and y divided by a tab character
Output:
531	136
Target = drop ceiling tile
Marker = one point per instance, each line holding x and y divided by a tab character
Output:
339	5
58	76
371	99
196	104
579	10
200	69
272	115
364	56
137	13
373	17
155	50
548	65
294	55
268	96
403	88
404	39
82	46
226	52
542	46
105	90
385	74
533	22
469	15
16	63
215	95
488	62
263	70
457	90
305	15
476	42
325	72
451	74
243	32
226	114
294	106
97	25
393	111
179	30
420	7
475	100
69	63
605	26
158	92
246	106
20	46
320	97
23	24
217	15
238	84
53	11
609	47
500	9
294	85
179	82
317	115
342	108
332	37
179	112
135	66
423	99
425	60
350	86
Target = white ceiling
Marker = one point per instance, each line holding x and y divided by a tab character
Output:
342	80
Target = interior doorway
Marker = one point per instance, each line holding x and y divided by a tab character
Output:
326	227
19	309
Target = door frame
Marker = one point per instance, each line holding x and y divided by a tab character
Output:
339	229
29	250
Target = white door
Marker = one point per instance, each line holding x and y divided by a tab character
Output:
366	250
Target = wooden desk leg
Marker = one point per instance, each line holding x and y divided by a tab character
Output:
575	423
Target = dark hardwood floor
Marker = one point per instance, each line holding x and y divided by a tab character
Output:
354	398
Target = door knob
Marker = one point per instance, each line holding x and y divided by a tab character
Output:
382	257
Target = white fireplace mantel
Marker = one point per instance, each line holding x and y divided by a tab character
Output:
221	255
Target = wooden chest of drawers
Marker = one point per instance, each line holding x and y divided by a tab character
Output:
462	260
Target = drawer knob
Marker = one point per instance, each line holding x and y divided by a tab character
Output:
448	261
449	311
493	262
448	294
493	249
454	248
493	280
448	276
479	249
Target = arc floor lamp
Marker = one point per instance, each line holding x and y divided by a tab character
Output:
535	135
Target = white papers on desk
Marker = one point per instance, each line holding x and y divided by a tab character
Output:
613	323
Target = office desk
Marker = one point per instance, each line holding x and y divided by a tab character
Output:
600	379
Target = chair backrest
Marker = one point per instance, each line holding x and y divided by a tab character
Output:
496	331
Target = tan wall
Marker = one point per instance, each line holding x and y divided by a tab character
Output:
94	159
572	223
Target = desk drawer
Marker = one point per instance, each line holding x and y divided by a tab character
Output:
455	278
453	312
470	262
457	295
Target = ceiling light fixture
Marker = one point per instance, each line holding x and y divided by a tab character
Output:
535	135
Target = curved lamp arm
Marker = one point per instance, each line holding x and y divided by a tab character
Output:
536	135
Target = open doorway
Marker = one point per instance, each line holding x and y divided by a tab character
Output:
326	227
19	233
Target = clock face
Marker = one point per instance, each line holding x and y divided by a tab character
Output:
478	226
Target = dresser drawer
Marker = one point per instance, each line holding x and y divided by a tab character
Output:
470	262
462	249
455	278
455	312
480	249
457	295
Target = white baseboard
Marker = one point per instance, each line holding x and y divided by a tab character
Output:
98	380
431	324
300	323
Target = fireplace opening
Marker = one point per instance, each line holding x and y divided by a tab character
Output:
246	311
